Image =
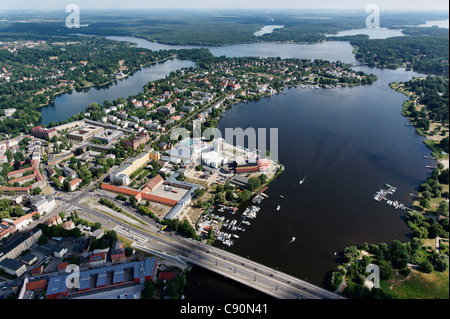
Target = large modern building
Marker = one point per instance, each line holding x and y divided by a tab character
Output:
213	159
122	174
102	279
84	132
108	136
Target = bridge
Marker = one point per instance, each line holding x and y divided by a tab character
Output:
171	246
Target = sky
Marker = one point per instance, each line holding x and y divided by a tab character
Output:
407	5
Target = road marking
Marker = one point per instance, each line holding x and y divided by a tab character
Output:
131	234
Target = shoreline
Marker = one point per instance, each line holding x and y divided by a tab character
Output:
340	271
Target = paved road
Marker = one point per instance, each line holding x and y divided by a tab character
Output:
248	272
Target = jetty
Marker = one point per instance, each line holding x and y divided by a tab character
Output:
382	195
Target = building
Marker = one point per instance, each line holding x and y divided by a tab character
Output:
28	259
153	183
32	288
97	234
85	132
23	221
60	252
68	225
122	174
96	260
13	267
41	132
154	155
6	229
9	112
54	221
213	159
103	279
74	184
264	164
68	172
218	145
246	168
239	181
167	109
117	252
108	136
140	139
24	242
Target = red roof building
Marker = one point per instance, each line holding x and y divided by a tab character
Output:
166	275
41	132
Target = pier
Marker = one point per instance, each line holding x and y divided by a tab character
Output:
382	195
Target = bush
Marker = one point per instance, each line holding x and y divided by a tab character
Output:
405	271
426	267
441	263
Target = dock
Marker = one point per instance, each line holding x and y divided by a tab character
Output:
382	195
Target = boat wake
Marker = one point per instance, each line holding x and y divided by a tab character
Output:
285	246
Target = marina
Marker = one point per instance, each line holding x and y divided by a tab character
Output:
225	228
382	195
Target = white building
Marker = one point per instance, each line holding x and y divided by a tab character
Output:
43	203
213	159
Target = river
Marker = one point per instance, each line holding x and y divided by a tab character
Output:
347	142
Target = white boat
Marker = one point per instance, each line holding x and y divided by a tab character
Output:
301	182
292	239
235	236
278	207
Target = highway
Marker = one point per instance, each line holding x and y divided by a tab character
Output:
149	236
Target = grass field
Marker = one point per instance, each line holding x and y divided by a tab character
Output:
419	285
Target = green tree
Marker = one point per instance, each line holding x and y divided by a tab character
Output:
443	208
386	270
426	266
441	263
253	183
425	203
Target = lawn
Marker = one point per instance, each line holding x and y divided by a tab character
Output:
419	285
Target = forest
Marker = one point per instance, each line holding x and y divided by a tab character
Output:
418	52
46	65
211	28
433	92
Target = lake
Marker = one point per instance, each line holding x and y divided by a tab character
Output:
348	142
373	33
332	51
436	23
267	29
75	102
